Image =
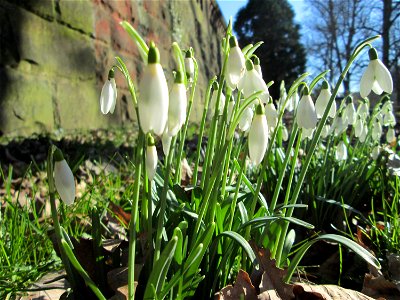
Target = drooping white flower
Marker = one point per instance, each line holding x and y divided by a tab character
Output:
285	133
325	130
363	108
271	114
341	151
375	152
177	105
293	101
306	117
390	135
166	139
153	100
151	157
376	131
339	125
350	112
189	63
359	127
108	96
258	136
388	118
245	119
364	134
235	65
257	66
252	82
213	101
376	77
307	133
322	102
63	178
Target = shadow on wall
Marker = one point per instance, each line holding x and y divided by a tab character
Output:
9	54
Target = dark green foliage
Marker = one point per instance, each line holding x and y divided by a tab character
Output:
282	55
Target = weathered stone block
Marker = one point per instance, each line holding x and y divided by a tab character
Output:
79	15
26	103
57	49
78	105
43	8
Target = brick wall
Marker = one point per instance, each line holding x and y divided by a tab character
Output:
55	55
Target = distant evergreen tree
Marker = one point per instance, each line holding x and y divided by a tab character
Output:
282	55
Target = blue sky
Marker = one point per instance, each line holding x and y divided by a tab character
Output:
231	7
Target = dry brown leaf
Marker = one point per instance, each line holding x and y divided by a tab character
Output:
243	287
54	284
379	286
118	211
305	291
118	281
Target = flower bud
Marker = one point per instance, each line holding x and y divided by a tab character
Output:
235	65
189	64
63	178
341	151
151	157
323	100
258	136
376	131
350	113
390	135
108	96
271	114
306	117
177	105
153	101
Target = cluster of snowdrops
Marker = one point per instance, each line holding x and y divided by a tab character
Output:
242	121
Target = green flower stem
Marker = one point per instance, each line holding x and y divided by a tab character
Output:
150	221
163	203
317	135
278	252
81	271
238	183
185	126
201	133
226	167
278	186
134	213
54	215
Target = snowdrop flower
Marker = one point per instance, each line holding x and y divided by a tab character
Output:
257	66
213	101
177	105
339	124
151	157
166	139
390	135
63	178
350	112
258	136
307	134
153	101
235	66
376	131
323	100
108	96
388	117
285	134
293	101
245	119
375	152
306	117
359	127
271	114
341	151
364	134
363	108
325	130
189	64
231	106
376	77
252	82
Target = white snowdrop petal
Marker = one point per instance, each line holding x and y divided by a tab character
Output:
322	102
153	101
375	152
367	80
177	108
358	128
258	139
271	114
235	67
376	88
341	151
383	77
64	181
115	93
390	135
106	97
245	119
151	161
285	134
306	116
189	66
350	114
